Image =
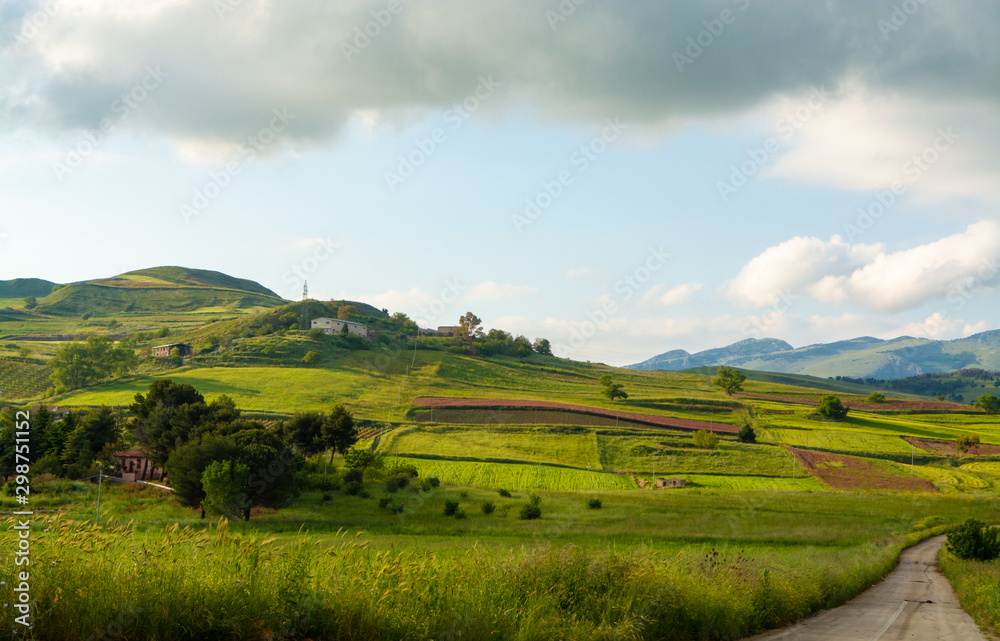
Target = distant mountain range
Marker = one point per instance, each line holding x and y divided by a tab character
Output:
864	357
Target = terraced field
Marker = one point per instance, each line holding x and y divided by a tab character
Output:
514	476
533	446
675	454
745	482
949	479
845	440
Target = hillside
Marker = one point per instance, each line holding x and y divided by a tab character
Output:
21	287
863	357
158	290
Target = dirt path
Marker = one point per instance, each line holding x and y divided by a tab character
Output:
914	603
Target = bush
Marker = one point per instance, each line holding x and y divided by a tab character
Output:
433	481
529	512
535	500
463	494
973	540
426	486
316	333
831	408
311	358
488	507
967	441
504	493
747	435
354	488
326	497
450	507
595	504
705	440
396	508
404	468
354	476
384	501
460	514
876	397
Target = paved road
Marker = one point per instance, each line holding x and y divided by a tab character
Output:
914	603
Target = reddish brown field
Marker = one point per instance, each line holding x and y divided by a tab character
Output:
842	472
661	421
861	403
950	448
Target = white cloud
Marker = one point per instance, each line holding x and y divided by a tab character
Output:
937	327
836	272
490	290
679	295
792	266
579	272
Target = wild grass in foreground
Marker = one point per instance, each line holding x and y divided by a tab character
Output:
184	583
977	584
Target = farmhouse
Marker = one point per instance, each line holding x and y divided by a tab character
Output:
56	411
163	351
334	326
133	465
675	481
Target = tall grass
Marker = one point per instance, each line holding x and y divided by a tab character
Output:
977	584
183	583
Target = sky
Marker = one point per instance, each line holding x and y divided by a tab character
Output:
623	179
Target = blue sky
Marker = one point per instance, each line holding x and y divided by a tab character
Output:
686	195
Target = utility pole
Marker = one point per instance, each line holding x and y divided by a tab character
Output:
99	477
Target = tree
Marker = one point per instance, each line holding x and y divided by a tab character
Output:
966	442
542	346
612	390
705	440
271	482
831	407
338	430
360	459
729	379
30	302
989	403
346	312
187	464
224	484
311	358
747	434
974	540
469	327
79	363
305	431
876	397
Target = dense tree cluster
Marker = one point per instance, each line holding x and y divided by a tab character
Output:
80	363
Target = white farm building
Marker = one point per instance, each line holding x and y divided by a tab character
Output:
334	326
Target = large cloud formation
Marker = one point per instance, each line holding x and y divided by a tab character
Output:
837	272
230	62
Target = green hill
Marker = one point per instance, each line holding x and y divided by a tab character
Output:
156	291
21	287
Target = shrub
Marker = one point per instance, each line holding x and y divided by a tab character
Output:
595	504
831	408
463	494
426	486
504	493
535	500
974	540
354	476
316	333
433	481
747	435
876	397
326	497
353	488
488	507
705	440
404	468
450	507
967	441
392	485
460	514
396	508
311	357
384	501
529	512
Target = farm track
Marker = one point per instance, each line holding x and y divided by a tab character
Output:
915	602
648	419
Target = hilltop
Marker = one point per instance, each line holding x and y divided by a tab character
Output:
157	290
863	357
